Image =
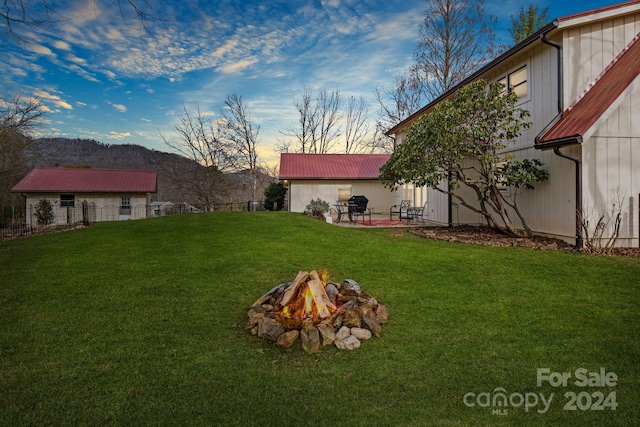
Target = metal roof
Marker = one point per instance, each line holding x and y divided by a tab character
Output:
331	166
58	180
581	118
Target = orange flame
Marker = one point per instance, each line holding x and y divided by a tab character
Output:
308	301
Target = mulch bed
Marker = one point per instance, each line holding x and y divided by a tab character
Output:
482	235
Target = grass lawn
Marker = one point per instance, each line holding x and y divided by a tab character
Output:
142	323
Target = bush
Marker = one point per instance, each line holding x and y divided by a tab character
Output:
317	208
274	194
44	212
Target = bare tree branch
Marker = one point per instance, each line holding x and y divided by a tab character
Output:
238	128
456	37
356	128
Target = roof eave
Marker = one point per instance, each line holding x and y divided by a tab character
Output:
559	142
506	55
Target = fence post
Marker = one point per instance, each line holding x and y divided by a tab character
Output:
85	213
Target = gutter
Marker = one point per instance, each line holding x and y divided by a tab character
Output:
556	144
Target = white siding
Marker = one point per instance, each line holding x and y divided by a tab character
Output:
301	192
106	207
588	49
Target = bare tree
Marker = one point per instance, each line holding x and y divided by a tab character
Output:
17	14
318	127
19	120
198	138
242	134
328	116
402	99
305	129
356	127
456	37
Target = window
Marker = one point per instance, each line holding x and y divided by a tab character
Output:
344	194
500	185
407	192
516	82
125	206
68	200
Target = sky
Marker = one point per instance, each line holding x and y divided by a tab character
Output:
100	76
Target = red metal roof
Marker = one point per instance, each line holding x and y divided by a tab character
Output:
601	95
598	10
331	166
57	180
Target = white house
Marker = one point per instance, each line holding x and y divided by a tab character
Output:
578	77
92	195
333	178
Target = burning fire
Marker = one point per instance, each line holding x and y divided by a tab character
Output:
318	312
308	301
305	300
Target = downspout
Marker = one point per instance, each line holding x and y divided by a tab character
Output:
556	149
578	163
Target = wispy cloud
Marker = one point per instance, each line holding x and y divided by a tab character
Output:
64	105
119	135
55	99
120	107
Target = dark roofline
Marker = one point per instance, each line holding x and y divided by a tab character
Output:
506	55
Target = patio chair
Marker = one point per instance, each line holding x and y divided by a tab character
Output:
342	208
418	213
402	210
358	207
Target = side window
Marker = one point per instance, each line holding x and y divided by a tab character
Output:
516	82
68	200
125	206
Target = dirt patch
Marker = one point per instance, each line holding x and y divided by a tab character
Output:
482	235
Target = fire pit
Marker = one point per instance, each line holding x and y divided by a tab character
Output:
317	311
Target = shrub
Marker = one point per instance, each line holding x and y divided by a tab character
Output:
44	212
274	193
317	208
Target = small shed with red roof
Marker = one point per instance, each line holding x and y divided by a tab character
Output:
335	178
106	194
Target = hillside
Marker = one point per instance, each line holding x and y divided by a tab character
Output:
172	168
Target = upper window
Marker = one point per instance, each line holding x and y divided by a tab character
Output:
516	82
68	200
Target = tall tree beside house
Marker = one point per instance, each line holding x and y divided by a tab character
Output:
528	21
20	118
456	38
463	140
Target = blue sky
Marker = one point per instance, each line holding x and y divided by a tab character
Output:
104	79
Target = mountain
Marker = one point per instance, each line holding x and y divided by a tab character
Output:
172	168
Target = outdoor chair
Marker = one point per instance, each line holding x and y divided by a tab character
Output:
342	208
358	207
418	213
402	210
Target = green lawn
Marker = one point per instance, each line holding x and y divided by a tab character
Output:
142	323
